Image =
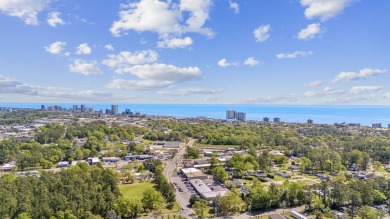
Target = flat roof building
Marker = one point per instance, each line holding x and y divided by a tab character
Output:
204	191
193	173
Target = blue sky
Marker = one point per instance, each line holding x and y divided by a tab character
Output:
195	51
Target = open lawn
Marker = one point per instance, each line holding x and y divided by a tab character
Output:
134	190
278	178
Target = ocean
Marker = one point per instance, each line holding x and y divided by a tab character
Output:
365	115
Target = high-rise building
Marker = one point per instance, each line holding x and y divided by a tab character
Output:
128	112
114	109
265	119
43	108
310	121
230	114
82	108
276	119
241	116
75	108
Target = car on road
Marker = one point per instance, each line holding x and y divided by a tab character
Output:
183	208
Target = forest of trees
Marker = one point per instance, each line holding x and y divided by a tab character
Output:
81	191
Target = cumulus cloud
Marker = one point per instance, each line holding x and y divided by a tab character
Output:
162	72
164	17
365	89
83	49
294	55
26	10
234	6
224	63
137	84
55	48
310	32
362	74
324	9
109	47
190	91
11	86
8	85
54	19
316	83
154	76
175	42
126	58
84	67
262	33
251	61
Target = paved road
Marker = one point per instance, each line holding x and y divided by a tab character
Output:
169	168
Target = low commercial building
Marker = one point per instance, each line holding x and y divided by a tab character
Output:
93	160
193	173
110	159
8	166
63	164
173	144
204	191
276	216
297	215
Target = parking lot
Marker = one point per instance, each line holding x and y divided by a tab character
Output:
183	188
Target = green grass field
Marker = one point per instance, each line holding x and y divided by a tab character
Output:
134	191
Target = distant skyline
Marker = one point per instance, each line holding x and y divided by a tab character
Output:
289	52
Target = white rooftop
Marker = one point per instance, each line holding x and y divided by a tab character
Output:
190	170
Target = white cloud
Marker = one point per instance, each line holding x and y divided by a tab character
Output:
85	68
316	83
125	58
294	55
27	10
234	6
270	99
327	91
54	19
8	85
223	63
83	49
310	32
55	48
387	95
11	86
109	47
311	94
365	89
164	18
353	76
162	72
211	98
262	33
324	9
190	91
175	42
330	91
137	84
251	61
154	76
